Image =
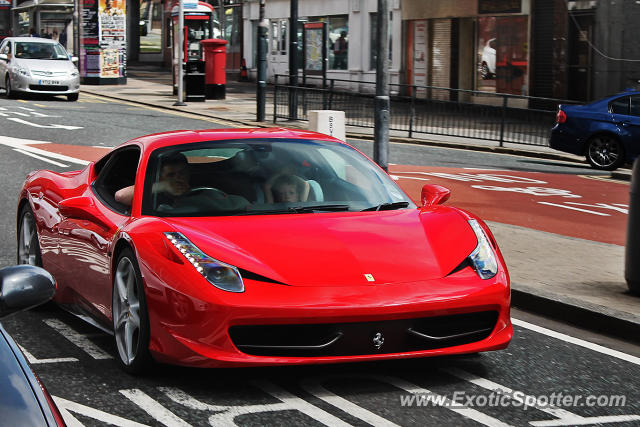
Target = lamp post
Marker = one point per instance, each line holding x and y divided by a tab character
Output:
180	101
382	103
261	87
293	61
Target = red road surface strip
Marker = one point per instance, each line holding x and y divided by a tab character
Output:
570	205
81	152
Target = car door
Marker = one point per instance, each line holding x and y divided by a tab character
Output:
90	223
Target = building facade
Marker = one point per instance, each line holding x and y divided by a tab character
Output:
350	39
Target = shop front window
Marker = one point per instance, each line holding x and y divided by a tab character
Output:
502	54
338	42
5	21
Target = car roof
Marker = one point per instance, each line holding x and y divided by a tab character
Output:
32	39
165	139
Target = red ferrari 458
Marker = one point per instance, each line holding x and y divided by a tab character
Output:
243	247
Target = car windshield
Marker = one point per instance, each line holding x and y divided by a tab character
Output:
37	50
258	177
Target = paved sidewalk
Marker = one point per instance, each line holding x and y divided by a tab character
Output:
579	281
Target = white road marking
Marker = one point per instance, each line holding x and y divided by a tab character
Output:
466	412
565	418
587	421
79	340
35	361
577	341
24	144
66	407
411	177
26	153
574	208
226	414
498	388
313	386
154	409
612	206
51	126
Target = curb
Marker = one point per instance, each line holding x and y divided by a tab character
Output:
595	318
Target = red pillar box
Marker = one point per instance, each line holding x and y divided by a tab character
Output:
215	58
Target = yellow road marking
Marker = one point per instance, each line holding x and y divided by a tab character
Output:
604	178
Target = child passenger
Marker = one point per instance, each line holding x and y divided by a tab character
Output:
286	188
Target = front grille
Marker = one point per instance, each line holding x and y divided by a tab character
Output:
49	88
359	338
49	74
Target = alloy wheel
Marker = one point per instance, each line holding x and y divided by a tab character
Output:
604	152
126	311
28	241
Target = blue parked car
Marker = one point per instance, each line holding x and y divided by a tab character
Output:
23	399
606	132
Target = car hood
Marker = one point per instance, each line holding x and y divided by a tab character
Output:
337	249
45	65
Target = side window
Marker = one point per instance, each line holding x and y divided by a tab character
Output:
635	105
620	106
118	172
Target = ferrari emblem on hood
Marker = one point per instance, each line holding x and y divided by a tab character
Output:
369	277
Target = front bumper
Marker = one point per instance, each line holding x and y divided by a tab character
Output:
54	85
192	327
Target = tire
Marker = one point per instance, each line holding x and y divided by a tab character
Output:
72	97
131	329
11	94
28	251
605	152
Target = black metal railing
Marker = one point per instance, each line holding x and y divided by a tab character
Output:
415	109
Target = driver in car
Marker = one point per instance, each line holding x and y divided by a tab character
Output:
173	182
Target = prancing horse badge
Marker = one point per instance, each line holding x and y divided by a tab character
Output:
378	340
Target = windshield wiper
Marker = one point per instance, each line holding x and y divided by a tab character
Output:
314	208
387	206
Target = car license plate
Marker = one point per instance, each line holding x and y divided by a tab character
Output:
49	82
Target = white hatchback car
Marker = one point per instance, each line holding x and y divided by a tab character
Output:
37	65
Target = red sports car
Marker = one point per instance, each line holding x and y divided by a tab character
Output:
243	247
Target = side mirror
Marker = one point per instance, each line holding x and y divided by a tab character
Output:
433	194
4	56
81	208
74	59
23	287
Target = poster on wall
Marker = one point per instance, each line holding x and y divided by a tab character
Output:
90	49
103	41
314	57
112	37
420	56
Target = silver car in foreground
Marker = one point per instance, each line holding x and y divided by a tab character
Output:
36	65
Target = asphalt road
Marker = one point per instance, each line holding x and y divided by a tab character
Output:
579	379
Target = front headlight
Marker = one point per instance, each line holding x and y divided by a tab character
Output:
483	258
73	73
222	276
23	71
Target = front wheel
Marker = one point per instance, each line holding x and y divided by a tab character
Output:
131	329
28	243
72	97
605	152
11	94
